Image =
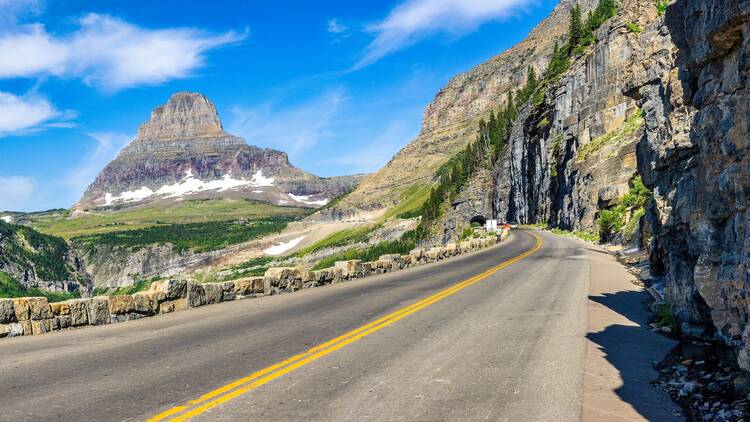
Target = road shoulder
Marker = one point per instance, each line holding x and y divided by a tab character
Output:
620	349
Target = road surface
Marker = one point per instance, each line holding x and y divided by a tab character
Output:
507	344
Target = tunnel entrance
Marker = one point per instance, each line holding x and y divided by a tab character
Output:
479	219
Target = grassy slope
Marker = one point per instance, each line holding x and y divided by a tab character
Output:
107	221
9	287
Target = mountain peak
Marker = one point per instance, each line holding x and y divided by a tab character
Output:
185	115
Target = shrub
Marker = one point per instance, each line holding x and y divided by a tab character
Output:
633	27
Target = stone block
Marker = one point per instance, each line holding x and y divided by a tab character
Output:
214	293
26	327
98	310
172	289
349	269
7	315
61	322
196	295
39	308
144	303
175	305
451	249
41	326
417	253
248	286
121	305
21	309
11	330
59	308
79	312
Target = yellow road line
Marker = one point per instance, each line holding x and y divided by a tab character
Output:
243	385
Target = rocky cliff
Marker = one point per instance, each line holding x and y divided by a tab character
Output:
450	121
183	151
693	83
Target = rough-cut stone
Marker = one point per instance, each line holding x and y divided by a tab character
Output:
171	289
38	308
175	305
41	326
214	293
7	315
282	279
60	308
144	303
61	322
98	310
11	330
21	309
121	305
79	312
349	269
196	295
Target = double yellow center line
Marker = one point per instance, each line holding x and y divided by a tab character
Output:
256	379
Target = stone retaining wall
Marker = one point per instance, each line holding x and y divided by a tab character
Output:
34	315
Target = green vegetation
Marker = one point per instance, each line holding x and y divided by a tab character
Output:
630	125
633	27
29	248
198	237
612	221
341	238
186	212
410	202
250	268
401	247
138	286
661	6
10	287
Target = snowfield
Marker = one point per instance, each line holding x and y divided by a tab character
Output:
190	185
306	199
283	247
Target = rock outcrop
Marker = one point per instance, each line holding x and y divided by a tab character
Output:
183	152
693	83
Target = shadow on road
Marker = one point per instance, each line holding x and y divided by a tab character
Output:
631	349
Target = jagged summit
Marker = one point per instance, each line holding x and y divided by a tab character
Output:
185	115
183	152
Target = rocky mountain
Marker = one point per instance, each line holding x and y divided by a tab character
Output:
183	152
450	121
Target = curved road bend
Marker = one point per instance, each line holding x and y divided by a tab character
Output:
509	346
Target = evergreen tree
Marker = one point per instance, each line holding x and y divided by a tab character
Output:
575	30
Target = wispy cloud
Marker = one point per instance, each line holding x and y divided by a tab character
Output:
15	192
414	20
294	129
108	52
30	112
334	27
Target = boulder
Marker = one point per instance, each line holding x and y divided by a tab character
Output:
417	253
98	311
281	279
121	305
214	292
41	326
173	306
61	322
79	312
196	295
7	315
349	269
11	330
248	286
451	249
26	327
144	303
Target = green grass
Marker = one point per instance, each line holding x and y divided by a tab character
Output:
661	6
251	268
195	211
629	126
633	27
410	202
401	247
612	221
341	238
198	237
10	287
139	286
581	234
27	247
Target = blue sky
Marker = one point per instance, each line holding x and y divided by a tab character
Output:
339	85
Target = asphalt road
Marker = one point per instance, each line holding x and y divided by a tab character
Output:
509	346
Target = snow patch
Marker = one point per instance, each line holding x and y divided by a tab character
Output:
190	185
283	247
7	218
306	199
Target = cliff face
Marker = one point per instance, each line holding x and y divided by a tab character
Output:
693	85
450	121
183	151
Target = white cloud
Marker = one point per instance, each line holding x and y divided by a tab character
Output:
15	192
293	130
334	27
28	112
414	20
107	52
108	145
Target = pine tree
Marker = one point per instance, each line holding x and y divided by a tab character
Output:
575	30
